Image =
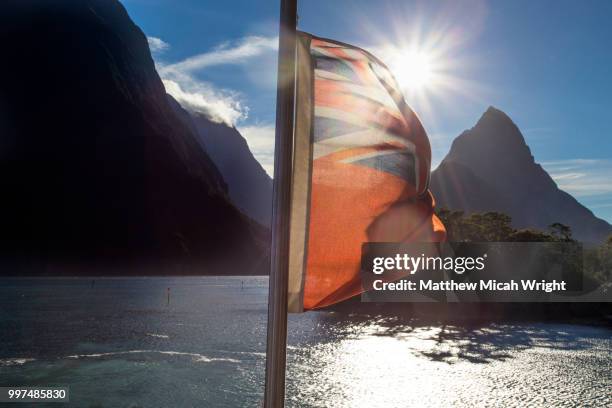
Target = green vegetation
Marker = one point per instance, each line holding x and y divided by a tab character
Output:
497	227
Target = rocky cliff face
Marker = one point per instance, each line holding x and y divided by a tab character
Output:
248	185
491	168
95	164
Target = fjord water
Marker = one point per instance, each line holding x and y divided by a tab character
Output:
119	343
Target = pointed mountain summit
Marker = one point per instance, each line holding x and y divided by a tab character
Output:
491	168
495	150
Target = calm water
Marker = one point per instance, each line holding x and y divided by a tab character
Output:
118	343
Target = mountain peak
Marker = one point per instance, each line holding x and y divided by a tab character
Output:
493	110
505	128
490	168
114	176
495	137
492	113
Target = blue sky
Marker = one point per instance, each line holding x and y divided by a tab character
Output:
547	64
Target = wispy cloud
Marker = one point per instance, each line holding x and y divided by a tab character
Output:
238	52
539	130
220	105
260	139
157	45
582	177
599	206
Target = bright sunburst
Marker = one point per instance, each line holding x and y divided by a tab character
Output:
429	56
421	71
414	70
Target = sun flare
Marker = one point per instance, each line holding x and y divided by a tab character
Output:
429	56
414	70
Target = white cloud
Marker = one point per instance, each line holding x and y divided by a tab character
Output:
573	163
582	177
260	138
157	45
220	105
228	53
598	206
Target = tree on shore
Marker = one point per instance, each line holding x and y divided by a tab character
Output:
561	232
596	262
493	227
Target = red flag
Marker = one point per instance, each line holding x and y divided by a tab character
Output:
360	171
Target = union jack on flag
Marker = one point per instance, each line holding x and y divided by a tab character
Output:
361	169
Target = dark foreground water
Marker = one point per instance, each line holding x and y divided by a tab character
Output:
118	343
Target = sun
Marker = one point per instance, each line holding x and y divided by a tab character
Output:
414	70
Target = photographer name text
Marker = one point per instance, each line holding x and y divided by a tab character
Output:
481	285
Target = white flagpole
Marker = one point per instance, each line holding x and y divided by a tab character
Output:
274	395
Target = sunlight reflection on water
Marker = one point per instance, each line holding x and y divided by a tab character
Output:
121	344
379	364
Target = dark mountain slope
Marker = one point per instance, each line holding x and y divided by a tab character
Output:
249	186
455	186
94	163
490	167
